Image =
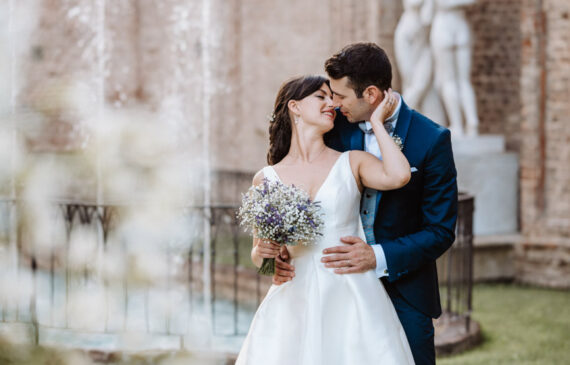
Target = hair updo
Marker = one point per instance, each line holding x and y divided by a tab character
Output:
280	123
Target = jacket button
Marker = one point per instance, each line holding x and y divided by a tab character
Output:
365	211
368	196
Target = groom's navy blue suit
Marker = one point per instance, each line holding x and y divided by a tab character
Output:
414	224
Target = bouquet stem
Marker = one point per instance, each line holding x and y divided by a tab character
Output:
267	267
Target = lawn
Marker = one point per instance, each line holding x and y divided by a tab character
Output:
521	325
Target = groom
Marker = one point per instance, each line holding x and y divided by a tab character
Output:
406	229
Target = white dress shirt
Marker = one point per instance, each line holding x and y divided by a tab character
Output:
371	146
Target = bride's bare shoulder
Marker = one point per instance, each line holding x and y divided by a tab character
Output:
258	178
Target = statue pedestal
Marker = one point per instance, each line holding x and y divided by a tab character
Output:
488	172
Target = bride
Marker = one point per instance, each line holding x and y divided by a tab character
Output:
319	317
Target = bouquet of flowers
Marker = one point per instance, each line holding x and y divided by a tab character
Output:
281	213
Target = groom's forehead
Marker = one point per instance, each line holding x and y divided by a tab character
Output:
341	87
341	92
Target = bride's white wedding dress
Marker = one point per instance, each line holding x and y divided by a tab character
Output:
323	318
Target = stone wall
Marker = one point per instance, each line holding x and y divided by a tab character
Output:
267	43
166	57
217	70
544	256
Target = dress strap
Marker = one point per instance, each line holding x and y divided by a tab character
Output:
270	174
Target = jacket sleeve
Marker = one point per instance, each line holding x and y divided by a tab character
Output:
408	253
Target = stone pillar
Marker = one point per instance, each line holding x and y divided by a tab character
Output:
544	256
488	172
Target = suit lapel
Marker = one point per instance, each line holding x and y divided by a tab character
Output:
357	140
402	126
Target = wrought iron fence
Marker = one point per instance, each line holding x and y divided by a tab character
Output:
235	288
455	268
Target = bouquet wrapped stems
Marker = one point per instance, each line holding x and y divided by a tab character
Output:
267	267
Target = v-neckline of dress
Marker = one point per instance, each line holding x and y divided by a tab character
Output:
322	184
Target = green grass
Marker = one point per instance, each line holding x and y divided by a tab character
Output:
521	325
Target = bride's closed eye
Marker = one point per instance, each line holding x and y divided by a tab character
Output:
323	96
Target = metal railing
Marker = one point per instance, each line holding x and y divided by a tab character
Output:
235	288
455	268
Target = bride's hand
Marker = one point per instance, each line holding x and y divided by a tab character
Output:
267	249
386	107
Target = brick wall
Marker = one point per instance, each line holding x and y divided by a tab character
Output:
153	62
544	256
495	70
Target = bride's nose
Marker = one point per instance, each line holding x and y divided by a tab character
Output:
335	101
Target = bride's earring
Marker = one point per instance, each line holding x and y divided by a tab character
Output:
297	118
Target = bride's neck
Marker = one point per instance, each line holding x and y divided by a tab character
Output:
306	148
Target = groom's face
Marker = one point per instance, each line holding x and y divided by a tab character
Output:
355	109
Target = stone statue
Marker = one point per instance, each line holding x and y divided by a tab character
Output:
413	51
415	61
450	40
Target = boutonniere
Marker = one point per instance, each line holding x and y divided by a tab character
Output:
398	141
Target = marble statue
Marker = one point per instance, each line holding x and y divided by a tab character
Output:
412	50
450	40
415	61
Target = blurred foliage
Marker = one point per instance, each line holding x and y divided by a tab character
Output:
15	354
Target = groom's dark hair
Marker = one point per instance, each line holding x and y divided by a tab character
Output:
364	64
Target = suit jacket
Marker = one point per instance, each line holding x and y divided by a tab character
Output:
416	223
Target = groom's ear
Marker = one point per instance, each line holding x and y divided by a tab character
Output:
372	94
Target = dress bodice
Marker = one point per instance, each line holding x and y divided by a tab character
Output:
340	202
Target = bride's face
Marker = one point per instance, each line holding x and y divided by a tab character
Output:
317	109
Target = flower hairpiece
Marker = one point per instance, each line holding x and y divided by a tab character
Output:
271	117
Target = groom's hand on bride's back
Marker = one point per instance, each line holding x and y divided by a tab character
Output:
284	271
357	256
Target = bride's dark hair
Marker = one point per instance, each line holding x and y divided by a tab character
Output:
280	123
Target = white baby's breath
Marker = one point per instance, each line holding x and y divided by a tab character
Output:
281	213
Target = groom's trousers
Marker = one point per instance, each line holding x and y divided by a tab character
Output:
418	327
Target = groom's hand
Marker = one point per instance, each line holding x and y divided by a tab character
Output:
284	271
356	257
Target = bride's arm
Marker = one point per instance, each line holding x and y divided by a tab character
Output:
393	171
262	248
